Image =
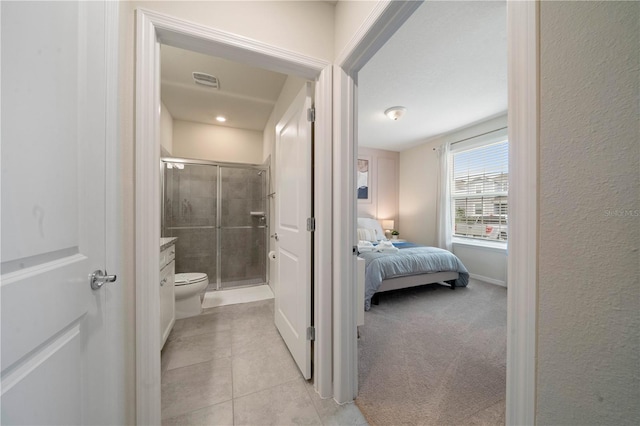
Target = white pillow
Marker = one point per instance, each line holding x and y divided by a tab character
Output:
365	234
370	223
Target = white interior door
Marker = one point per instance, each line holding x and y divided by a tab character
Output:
54	370
293	207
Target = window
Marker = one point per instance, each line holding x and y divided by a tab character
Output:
479	186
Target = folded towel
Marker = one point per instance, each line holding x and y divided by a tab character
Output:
386	247
365	246
365	249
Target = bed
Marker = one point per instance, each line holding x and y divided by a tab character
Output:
409	265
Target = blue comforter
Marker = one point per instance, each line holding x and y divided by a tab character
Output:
408	261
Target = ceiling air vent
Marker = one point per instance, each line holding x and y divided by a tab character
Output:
206	80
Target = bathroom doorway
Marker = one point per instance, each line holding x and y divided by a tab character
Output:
220	214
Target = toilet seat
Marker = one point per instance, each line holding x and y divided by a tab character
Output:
190	278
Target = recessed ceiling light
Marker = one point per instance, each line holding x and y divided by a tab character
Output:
221	119
395	113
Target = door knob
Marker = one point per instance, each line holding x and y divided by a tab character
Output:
98	278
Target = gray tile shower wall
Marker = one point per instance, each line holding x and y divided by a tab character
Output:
195	251
243	254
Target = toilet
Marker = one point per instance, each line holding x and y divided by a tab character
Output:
188	287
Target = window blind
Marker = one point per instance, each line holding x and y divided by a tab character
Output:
479	188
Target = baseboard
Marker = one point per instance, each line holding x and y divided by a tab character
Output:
488	280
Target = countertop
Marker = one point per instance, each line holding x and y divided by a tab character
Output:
166	242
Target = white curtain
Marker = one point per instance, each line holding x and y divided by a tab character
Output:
443	219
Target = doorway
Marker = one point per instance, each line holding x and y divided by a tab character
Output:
153	27
522	39
457	57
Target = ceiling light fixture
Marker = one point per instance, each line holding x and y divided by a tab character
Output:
395	113
221	119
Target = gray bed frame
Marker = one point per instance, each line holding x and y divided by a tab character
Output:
414	281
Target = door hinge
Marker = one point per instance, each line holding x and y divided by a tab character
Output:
311	224
311	115
311	333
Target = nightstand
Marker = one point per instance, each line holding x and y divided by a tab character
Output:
399	240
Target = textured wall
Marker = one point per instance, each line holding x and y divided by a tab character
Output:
589	312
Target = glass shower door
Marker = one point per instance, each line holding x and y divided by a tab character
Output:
243	226
190	213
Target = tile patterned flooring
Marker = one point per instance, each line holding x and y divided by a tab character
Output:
229	366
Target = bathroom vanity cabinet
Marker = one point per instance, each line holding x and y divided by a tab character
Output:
167	293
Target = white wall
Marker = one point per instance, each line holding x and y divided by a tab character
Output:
383	186
418	193
349	17
166	129
589	260
216	143
484	263
419	169
301	26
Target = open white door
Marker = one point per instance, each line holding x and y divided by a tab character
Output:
293	207
54	108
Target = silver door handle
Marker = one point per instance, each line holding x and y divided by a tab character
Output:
98	278
275	236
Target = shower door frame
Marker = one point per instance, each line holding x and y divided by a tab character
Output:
218	226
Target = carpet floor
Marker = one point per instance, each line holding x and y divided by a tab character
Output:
433	356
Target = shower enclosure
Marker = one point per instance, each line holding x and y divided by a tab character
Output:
219	213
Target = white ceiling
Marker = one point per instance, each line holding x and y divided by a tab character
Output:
246	96
447	65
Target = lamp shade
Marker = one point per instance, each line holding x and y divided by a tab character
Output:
387	224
